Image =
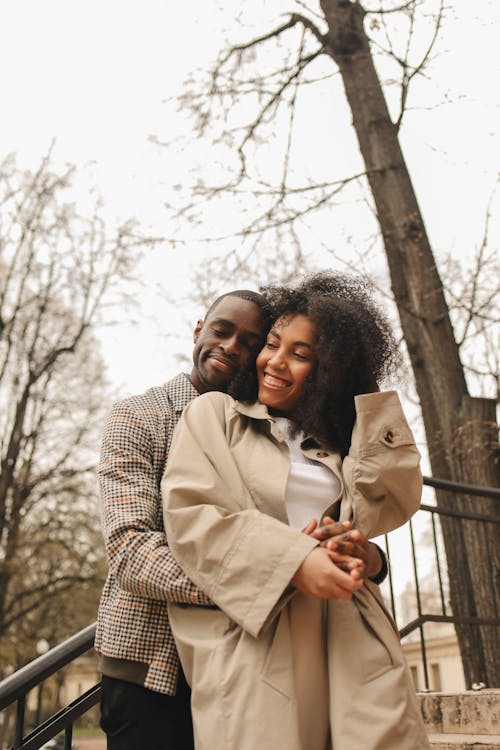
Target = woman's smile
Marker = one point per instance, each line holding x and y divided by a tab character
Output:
272	381
285	363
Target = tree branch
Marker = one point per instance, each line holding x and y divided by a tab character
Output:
294	19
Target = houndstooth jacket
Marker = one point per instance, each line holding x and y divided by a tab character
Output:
143	575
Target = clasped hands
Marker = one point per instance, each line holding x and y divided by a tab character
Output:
340	564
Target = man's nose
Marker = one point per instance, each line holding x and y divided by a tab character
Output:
231	345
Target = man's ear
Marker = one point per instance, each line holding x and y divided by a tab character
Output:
197	330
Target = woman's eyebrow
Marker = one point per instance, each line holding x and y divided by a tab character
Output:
274	332
302	343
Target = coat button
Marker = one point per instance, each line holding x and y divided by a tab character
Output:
321	454
389	436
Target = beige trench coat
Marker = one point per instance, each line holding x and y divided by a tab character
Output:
271	668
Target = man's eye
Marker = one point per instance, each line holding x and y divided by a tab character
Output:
219	332
271	345
303	357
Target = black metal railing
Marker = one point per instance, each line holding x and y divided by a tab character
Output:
14	689
443	615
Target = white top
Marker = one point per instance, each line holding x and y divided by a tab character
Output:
311	487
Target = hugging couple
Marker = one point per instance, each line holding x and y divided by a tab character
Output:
242	597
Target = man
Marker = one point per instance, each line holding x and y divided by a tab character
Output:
145	700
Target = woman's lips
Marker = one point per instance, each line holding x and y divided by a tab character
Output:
272	381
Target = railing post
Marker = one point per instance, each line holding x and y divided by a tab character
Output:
19	728
68	737
419	607
391	584
438	565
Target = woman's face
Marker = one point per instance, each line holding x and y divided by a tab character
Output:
285	362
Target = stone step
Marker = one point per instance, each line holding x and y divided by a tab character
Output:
470	713
457	741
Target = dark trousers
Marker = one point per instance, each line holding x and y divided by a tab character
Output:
136	718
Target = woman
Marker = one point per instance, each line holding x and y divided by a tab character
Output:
298	651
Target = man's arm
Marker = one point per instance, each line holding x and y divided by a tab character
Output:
138	554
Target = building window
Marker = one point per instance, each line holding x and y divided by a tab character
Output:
435	677
414	675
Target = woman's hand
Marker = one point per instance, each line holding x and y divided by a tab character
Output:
349	563
311	527
321	577
347	543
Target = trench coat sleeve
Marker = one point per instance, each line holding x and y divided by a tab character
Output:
382	470
241	558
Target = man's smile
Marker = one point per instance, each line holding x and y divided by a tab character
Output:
221	362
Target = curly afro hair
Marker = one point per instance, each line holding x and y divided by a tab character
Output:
355	349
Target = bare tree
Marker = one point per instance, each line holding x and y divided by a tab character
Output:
59	270
328	45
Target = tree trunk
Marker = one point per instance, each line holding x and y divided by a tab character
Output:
461	432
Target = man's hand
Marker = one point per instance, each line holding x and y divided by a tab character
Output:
321	577
348	544
347	563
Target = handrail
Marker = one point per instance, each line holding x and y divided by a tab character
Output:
62	719
459	514
18	684
466	489
422	619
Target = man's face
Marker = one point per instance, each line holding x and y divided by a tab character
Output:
228	339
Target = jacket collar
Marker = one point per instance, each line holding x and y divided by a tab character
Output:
180	391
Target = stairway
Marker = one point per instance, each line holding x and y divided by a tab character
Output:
462	721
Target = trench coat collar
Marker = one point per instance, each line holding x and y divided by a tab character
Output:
259	411
310	445
254	410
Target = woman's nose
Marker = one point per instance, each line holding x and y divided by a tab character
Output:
276	360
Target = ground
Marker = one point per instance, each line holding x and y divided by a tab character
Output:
93	743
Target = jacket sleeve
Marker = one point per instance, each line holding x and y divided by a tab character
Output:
138	554
242	558
382	470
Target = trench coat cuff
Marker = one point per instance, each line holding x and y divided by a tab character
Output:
278	591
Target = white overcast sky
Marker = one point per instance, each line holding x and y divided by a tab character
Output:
94	74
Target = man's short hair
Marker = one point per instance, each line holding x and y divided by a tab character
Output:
246	294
